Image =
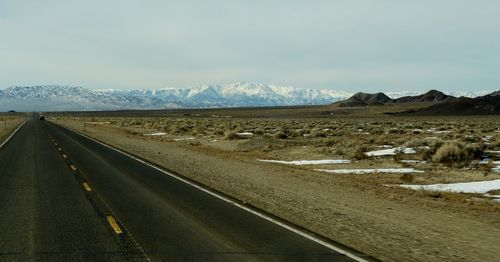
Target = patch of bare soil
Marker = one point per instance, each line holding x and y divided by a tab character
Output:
389	223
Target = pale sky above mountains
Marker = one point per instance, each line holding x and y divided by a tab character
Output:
356	45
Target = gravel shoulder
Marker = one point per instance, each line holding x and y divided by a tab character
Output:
390	224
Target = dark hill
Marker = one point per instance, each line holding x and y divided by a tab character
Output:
365	99
433	96
483	105
496	93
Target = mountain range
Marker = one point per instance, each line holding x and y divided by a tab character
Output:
241	94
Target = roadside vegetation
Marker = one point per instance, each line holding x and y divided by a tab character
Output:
9	122
434	145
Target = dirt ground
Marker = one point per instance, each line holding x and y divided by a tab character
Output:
359	211
6	127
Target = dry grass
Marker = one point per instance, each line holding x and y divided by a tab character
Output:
8	122
447	144
457	153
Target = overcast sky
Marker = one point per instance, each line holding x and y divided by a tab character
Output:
377	45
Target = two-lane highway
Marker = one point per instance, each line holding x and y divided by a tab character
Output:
66	197
44	214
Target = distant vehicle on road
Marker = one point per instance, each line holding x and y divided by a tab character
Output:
41	117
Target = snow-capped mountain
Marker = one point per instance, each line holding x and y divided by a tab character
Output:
27	98
59	98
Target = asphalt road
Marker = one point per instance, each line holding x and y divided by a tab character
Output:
64	197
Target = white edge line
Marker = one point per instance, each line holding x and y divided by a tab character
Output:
12	134
270	219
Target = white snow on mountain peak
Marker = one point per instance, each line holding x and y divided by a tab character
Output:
239	94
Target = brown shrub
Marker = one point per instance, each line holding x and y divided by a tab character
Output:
407	178
360	153
449	152
455	152
231	136
280	135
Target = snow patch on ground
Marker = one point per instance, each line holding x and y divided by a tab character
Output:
492	151
435	131
245	134
97	123
487	138
487	161
308	162
413	161
442	132
480	187
391	151
495	169
155	134
492	196
182	139
370	170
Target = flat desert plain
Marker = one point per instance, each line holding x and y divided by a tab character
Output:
395	188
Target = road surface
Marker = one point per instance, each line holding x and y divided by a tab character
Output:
65	197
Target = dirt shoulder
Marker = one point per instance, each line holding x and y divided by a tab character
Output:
6	128
388	223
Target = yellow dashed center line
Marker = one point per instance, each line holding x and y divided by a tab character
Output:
111	219
87	187
114	225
